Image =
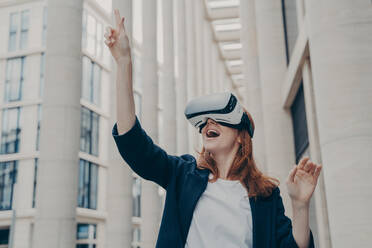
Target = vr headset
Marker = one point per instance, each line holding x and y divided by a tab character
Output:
223	108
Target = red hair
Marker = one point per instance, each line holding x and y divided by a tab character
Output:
243	167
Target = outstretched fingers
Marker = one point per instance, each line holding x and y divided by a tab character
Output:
292	174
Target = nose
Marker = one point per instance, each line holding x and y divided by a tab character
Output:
211	121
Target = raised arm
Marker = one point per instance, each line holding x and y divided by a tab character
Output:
118	43
145	158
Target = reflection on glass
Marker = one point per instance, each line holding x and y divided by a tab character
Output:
10	131
14	79
8	173
88	185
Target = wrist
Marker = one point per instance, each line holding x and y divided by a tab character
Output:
300	205
124	60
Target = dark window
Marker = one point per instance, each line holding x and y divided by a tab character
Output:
86	235
10	132
301	138
14	79
38	127
290	25
8	174
88	185
89	137
136	193
85	246
4	236
35	182
91	81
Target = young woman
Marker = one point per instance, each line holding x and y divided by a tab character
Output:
222	199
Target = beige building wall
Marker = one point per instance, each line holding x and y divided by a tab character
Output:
183	49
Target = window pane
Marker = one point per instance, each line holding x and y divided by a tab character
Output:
89	138
93	186
4	236
86	135
10	132
88	185
85	246
298	111
87	71
39	112
14	79
35	182
99	39
42	74
91	34
7	180
13	26
24	28
96	80
84	30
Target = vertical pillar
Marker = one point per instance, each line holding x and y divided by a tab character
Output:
272	66
181	76
199	37
119	194
57	180
191	66
168	92
252	78
341	60
322	236
206	54
150	198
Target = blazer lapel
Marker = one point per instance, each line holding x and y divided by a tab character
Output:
261	221
195	183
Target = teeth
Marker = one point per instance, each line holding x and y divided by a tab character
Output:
212	133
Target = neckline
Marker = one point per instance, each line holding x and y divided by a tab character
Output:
228	182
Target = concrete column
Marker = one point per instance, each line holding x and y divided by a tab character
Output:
206	55
199	37
252	78
150	200
168	91
191	76
119	194
57	179
181	76
277	121
323	233
341	59
322	236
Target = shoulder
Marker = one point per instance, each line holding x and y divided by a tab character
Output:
275	193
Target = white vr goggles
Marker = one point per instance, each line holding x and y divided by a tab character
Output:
223	108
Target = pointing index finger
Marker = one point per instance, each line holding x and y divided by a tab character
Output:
117	18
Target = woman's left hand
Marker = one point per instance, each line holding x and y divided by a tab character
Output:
302	180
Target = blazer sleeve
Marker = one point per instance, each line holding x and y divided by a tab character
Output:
145	158
284	236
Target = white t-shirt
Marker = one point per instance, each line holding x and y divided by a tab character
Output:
222	217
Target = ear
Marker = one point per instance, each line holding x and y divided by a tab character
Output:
239	140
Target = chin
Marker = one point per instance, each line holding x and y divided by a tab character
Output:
211	148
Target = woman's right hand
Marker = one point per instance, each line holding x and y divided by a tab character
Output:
117	39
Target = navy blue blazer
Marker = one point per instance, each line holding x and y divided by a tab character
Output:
185	183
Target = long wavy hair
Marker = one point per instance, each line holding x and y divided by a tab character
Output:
243	167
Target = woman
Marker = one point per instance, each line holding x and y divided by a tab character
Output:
221	200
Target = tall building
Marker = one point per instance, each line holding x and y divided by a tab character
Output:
300	67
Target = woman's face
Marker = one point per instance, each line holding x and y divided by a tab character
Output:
219	138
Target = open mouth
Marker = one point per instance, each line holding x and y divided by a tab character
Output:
212	133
